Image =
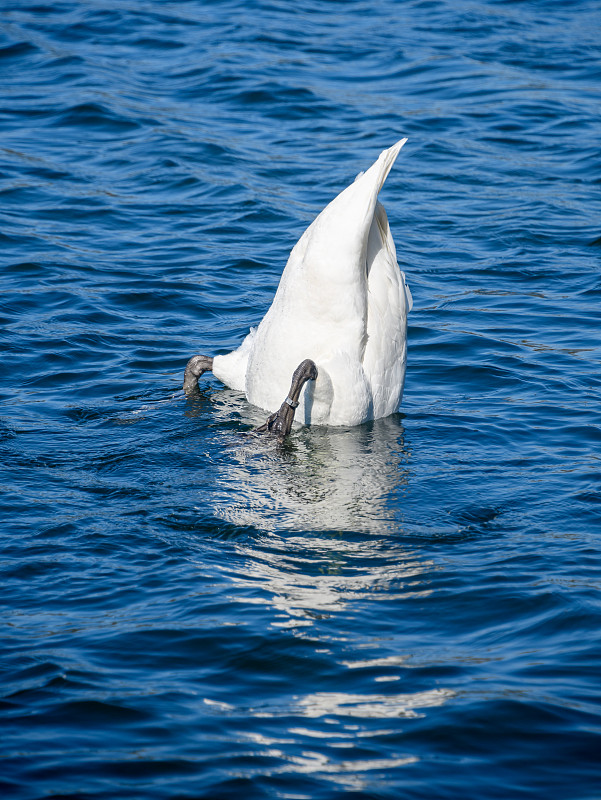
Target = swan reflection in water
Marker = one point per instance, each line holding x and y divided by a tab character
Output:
325	551
323	479
326	507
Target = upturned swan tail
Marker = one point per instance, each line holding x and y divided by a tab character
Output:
332	250
321	311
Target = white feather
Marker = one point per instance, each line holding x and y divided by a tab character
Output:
342	302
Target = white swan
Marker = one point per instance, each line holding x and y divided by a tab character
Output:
340	309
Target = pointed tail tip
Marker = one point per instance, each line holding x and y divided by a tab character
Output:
389	155
396	146
385	161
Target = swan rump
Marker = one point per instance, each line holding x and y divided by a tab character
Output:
342	302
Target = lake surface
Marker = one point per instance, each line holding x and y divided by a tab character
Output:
406	609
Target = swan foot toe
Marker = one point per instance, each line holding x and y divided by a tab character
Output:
280	423
194	369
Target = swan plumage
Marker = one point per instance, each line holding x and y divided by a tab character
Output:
342	302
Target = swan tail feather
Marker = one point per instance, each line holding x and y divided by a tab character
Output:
384	163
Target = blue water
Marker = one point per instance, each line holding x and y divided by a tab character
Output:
406	609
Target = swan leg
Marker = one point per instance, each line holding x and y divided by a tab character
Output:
280	423
194	369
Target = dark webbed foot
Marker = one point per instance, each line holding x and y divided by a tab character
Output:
280	423
194	369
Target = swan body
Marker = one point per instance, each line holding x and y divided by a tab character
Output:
342	302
